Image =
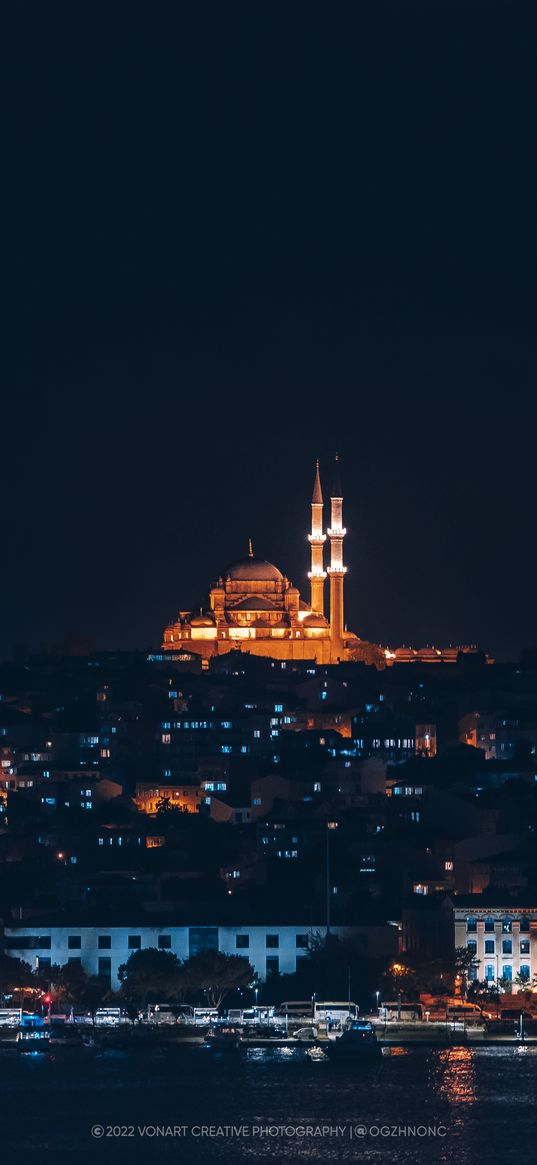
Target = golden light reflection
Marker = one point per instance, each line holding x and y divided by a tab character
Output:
456	1075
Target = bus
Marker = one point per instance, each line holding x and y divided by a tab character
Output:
10	1016
205	1015
295	1009
334	1013
108	1016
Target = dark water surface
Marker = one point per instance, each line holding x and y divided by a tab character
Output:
481	1102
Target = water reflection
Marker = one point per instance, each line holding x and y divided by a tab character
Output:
454	1075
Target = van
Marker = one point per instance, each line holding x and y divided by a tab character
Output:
167	1013
463	1013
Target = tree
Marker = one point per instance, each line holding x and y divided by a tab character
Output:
167	811
66	982
463	962
151	972
94	993
15	975
484	993
216	975
412	974
331	968
524	982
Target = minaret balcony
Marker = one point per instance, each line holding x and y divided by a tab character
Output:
337	532
337	569
316	539
317	574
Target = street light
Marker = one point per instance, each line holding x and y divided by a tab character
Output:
377	993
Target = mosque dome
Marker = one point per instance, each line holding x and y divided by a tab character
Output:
314	620
254	603
202	620
253	570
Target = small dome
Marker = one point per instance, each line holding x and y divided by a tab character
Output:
253	569
204	620
314	620
254	603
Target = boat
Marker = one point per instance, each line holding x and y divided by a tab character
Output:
33	1039
316	1054
358	1043
223	1039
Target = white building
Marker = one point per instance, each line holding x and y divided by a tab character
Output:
102	949
503	940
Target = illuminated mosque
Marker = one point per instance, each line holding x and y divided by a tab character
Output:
254	607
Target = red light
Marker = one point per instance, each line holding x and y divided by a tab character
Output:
47	998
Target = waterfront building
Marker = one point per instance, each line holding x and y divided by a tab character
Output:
503	938
102	949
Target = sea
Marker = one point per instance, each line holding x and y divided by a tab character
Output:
456	1104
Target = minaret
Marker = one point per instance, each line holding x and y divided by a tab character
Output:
336	570
317	574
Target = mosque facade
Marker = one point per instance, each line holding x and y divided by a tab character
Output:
252	606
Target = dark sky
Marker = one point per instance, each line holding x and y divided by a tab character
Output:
238	240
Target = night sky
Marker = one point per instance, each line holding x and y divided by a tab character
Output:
245	236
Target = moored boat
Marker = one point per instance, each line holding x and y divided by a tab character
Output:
358	1043
33	1039
224	1039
